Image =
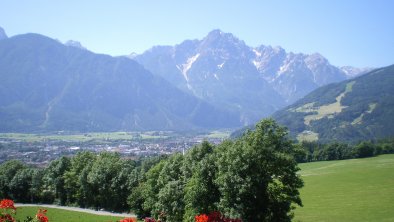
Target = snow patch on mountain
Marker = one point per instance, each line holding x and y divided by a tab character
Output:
75	44
352	72
184	68
229	72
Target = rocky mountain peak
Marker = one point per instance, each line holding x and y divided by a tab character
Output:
316	59
222	69
215	34
219	39
352	72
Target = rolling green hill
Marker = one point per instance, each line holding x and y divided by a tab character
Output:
347	190
358	109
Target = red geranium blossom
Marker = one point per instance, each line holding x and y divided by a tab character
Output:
6	218
201	218
129	220
7	204
41	215
149	219
214	217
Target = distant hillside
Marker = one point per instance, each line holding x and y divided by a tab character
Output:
357	109
46	86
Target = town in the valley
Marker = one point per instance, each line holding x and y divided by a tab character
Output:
36	149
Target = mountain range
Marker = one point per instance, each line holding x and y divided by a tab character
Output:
216	82
254	81
48	86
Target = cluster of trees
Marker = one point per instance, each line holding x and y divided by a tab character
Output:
86	180
314	151
253	178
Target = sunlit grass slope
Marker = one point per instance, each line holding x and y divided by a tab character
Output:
348	190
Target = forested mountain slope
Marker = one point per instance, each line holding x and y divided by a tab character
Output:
358	109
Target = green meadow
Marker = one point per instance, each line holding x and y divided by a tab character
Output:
348	190
60	215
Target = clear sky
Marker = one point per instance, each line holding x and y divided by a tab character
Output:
347	32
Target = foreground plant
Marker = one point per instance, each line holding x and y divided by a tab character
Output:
41	216
214	217
8	210
129	220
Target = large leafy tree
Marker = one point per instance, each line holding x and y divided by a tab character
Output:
201	193
54	179
101	177
257	175
171	189
76	183
20	185
7	172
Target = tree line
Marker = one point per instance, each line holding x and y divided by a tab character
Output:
253	178
315	151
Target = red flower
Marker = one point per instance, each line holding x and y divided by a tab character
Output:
7	204
129	220
215	216
42	211
149	219
201	218
6	218
41	215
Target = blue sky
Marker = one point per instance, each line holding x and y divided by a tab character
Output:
347	32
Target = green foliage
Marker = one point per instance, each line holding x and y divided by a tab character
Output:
365	149
7	172
85	180
251	178
314	151
76	179
257	176
20	185
201	192
54	181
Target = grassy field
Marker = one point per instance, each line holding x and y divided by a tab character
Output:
348	190
219	134
59	215
329	109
